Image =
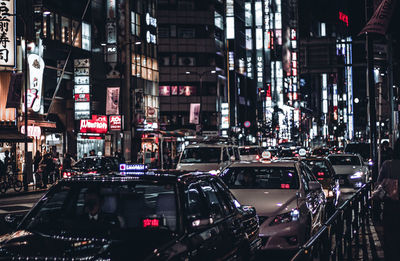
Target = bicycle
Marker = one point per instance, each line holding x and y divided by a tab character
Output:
10	181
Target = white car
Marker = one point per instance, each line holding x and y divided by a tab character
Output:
350	169
288	199
250	153
204	157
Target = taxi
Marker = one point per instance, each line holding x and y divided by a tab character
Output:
288	199
136	213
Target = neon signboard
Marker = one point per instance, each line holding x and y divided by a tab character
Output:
344	18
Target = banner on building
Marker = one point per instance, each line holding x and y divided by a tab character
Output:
36	68
112	102
7	32
14	90
115	122
194	113
380	20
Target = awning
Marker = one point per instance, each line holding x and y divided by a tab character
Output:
12	136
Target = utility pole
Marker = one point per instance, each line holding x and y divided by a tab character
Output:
371	94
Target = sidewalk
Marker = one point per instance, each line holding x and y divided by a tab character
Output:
11	193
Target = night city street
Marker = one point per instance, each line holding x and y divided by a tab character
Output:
200	130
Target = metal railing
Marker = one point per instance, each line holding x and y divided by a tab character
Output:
338	238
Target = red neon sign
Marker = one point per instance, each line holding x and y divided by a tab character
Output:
148	222
343	17
98	124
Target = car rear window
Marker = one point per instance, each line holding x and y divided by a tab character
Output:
344	160
318	166
360	148
261	178
201	155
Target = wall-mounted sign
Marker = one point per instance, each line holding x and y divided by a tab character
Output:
151	38
36	67
82	88
115	122
33	131
224	115
194	113
344	18
151	20
7	32
112	100
98	124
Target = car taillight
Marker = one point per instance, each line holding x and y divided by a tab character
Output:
66	174
92	172
257	157
285	186
320	174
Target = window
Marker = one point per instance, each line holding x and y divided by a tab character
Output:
78	40
163	32
218	21
135	24
195	204
65	30
173	30
225	196
201	155
226	155
86	36
345	160
212	198
186	32
187	61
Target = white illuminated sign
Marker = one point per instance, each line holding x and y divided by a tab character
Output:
36	67
7	32
151	20
151	38
224	115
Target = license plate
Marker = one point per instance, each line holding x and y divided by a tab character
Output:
341	181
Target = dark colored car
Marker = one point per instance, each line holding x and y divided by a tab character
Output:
325	174
93	165
152	216
321	151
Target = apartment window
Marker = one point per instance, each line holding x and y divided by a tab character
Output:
135	24
78	40
65	30
86	36
57	27
186	32
322	29
187	61
218	20
163	32
51	26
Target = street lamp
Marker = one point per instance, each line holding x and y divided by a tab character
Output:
201	91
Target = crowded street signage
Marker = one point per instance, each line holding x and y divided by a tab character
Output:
115	122
98	124
33	131
82	88
36	68
7	33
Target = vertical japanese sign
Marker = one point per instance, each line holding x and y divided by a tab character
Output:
36	67
112	102
82	88
7	33
194	113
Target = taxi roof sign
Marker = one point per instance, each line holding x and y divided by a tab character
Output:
266	154
132	167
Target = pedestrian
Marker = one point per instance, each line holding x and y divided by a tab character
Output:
2	170
67	162
36	161
7	161
84	155
48	169
92	153
390	172
386	152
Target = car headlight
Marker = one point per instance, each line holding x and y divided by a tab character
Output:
293	215
328	193
357	175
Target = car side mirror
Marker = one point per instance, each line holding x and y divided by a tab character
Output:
314	185
13	220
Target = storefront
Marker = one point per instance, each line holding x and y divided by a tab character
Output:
91	136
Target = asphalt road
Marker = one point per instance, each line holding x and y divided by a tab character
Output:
16	205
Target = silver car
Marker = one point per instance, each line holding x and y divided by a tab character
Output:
349	169
288	199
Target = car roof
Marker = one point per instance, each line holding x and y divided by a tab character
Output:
273	163
206	145
149	175
344	154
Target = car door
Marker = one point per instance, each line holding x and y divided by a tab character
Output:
201	233
224	246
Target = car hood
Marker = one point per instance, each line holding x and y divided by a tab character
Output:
198	166
268	202
348	169
34	246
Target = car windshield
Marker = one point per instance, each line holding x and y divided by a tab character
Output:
201	155
261	178
318	166
344	160
359	148
249	151
103	209
287	153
